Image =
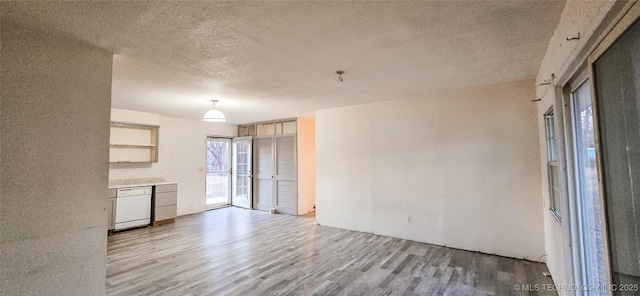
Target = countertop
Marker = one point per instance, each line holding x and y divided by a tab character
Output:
123	183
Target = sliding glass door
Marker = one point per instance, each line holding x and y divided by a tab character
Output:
617	85
218	176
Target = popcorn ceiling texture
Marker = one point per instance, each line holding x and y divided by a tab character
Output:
267	60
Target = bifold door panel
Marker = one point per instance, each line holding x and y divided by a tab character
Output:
286	193
263	173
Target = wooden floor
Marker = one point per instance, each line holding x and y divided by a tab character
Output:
233	251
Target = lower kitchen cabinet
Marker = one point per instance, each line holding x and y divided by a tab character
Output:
165	204
111	210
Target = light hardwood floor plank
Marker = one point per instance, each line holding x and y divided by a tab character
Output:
233	251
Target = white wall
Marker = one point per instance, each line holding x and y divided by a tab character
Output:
306	164
56	95
562	59
553	230
181	155
464	165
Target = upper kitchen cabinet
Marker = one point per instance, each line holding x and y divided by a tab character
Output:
133	143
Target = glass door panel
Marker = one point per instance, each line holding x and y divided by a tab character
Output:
242	174
617	85
218	179
590	220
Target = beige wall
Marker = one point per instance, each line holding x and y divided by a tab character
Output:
306	164
181	155
56	96
464	165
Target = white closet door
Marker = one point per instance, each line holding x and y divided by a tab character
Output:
263	173
286	192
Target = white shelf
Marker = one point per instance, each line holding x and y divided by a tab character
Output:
133	143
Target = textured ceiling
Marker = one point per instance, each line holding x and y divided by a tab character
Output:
269	60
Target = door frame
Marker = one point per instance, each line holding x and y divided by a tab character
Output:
220	205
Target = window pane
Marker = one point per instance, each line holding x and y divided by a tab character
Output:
554	184
218	176
588	187
551	136
555	192
217	155
242	169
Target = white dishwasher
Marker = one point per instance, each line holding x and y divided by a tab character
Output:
133	207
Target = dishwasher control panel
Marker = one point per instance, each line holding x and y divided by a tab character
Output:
131	191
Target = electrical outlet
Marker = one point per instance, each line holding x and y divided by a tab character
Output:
409	219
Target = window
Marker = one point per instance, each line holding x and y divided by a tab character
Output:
555	194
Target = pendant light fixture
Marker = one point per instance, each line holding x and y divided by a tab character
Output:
213	115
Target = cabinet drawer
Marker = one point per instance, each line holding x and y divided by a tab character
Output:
112	192
166	198
166	212
167	188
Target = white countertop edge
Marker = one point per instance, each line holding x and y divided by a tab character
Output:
141	184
